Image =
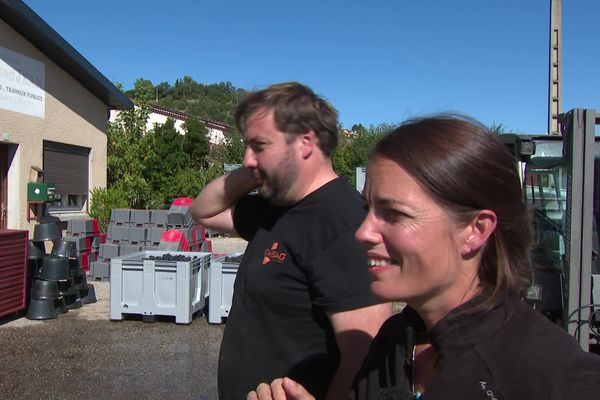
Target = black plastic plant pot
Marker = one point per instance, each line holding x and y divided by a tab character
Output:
41	309
55	268
81	282
46	231
73	301
34	266
75	268
42	290
67	288
64	248
60	305
88	295
35	250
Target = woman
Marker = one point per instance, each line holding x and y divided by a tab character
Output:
449	234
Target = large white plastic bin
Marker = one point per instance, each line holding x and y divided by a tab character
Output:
147	287
222	277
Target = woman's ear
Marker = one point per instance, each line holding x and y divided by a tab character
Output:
478	231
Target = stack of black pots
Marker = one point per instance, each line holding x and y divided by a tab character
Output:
58	282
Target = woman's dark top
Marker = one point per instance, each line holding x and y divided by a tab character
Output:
509	353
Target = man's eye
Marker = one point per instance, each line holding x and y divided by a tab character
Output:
257	147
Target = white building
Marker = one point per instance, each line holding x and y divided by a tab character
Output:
217	131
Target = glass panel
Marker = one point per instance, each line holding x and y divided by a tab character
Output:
68	202
545	192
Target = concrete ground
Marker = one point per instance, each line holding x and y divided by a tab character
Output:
84	355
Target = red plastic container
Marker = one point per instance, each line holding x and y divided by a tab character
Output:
13	271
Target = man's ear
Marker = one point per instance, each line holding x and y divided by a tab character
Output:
478	231
308	143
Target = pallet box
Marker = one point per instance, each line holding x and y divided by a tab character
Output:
223	271
150	287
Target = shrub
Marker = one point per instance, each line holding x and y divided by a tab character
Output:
103	201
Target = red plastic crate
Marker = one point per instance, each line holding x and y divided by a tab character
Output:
183	201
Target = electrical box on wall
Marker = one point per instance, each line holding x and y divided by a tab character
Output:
37	191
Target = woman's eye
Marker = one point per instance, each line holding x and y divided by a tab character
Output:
393	215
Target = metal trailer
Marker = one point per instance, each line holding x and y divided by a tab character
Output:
560	185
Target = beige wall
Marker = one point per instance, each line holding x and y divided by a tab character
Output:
72	115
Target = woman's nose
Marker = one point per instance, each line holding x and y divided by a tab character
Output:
366	232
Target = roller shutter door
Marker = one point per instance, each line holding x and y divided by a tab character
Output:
67	167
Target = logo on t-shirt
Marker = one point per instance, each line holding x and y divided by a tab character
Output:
273	255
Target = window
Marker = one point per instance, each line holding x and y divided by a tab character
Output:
67	166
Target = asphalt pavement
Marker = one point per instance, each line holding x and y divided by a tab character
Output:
84	355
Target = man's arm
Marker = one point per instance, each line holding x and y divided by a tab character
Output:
354	331
212	207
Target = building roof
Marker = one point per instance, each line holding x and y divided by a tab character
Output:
22	19
176	114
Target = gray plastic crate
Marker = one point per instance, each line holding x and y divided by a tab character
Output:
80	226
120	234
154	235
100	271
120	216
147	287
193	234
97	241
141	217
138	235
108	251
129	249
179	217
158	218
220	290
82	243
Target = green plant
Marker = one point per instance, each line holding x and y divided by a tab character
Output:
103	201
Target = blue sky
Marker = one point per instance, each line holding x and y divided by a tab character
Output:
377	61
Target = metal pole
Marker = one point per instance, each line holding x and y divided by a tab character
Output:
555	67
578	153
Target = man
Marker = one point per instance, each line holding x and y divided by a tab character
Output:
302	305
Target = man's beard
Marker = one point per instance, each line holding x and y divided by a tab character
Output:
280	182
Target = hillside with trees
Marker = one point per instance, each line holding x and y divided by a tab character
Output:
215	102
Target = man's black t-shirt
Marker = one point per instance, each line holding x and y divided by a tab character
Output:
301	262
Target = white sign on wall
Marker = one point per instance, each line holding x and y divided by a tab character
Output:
22	84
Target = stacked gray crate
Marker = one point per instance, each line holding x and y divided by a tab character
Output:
222	273
83	233
180	218
118	242
117	234
144	286
130	231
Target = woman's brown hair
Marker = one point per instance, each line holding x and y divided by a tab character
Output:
466	168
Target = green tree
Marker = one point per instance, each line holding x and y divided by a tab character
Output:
195	143
143	91
103	200
353	151
165	157
229	152
126	156
498	129
188	182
